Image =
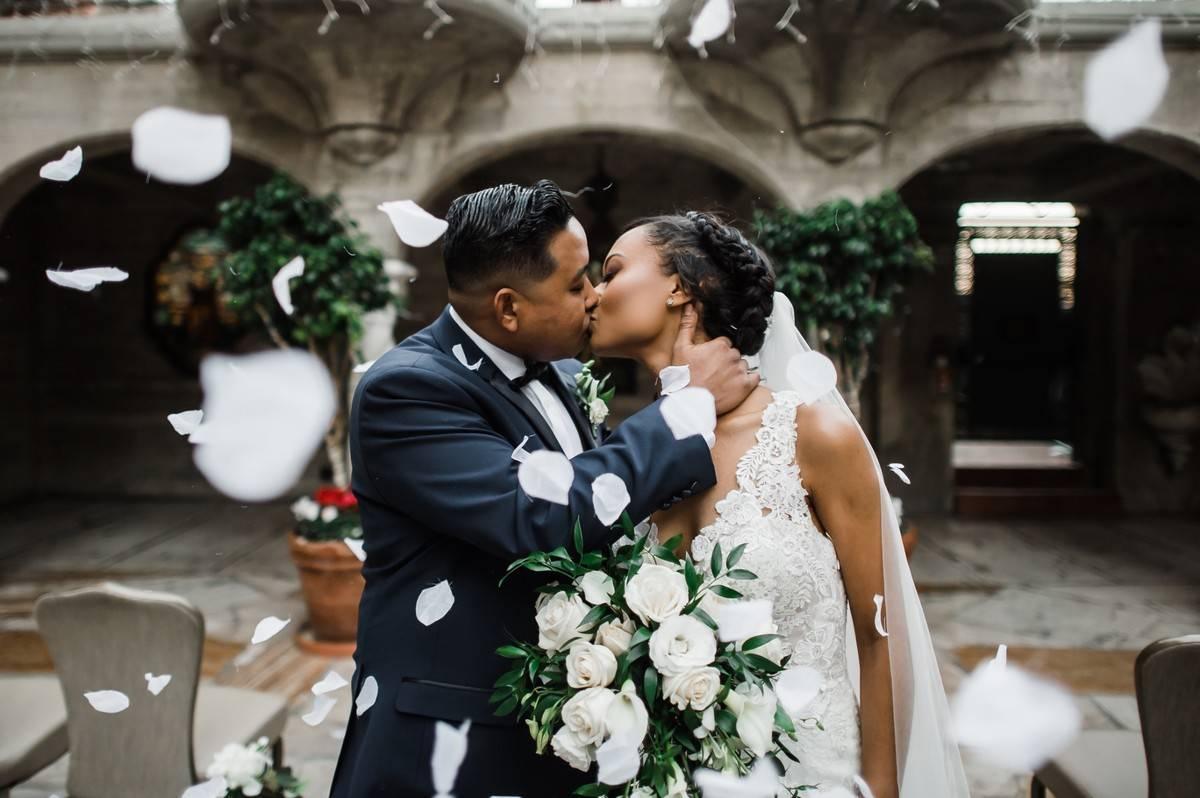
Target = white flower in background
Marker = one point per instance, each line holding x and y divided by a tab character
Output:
627	717
306	509
755	712
656	592
616	635
558	621
568	748
589	665
329	514
241	766
584	714
695	689
597	411
597	587
682	644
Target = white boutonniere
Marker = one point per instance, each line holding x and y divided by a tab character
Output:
593	395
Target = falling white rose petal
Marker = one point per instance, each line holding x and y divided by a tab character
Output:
182	147
185	423
519	454
279	283
86	279
449	751
1012	718
812	375
264	416
415	226
267	628
761	782
898	470
332	681
156	684
863	788
356	546
879	616
797	687
434	602
366	695
461	355
362	368
673	378
546	475
109	702
690	411
1001	659
213	788
712	22
3	275
320	710
65	168
1125	82
619	760
740	620
610	497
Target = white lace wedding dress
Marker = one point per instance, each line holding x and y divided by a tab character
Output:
798	572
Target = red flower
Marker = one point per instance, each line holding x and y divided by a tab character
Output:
336	497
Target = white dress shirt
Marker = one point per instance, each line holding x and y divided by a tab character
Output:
543	399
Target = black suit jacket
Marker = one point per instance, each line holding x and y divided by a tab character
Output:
431	444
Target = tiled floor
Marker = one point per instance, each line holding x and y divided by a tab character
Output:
1088	585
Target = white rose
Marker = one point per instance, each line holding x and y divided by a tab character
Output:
682	644
616	635
597	587
305	509
329	514
656	593
755	711
241	766
696	689
597	411
569	749
627	716
589	665
584	714
558	619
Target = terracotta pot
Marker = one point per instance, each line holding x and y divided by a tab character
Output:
332	582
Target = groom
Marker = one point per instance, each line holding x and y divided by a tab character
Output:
433	430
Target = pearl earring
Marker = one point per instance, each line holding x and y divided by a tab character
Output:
670	301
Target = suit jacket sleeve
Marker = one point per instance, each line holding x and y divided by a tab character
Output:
427	450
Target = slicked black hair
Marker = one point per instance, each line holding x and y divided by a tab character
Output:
503	230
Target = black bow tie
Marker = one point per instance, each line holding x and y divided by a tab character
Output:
533	371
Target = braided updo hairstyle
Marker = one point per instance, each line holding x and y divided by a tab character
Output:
731	278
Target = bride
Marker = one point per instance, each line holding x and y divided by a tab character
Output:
797	482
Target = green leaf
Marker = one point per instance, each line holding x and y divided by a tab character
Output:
726	721
715	564
762	663
592	790
578	537
641	635
735	555
673	543
726	592
511	677
507	707
741	573
595	616
691	577
782	720
650	686
758	641
511	652
704	618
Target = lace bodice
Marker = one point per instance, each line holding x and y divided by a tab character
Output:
798	571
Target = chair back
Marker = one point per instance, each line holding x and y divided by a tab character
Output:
1167	675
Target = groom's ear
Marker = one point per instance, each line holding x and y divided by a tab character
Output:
505	304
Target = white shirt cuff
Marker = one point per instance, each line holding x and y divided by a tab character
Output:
672	378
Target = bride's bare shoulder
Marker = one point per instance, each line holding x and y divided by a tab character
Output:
826	434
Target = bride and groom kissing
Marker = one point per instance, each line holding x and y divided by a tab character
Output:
435	426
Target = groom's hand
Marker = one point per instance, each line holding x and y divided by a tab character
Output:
713	365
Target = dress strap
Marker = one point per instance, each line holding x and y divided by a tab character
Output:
768	470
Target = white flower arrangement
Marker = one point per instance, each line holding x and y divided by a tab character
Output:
248	773
594	395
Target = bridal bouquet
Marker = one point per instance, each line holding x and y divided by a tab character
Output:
647	666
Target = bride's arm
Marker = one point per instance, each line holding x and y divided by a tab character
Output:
840	476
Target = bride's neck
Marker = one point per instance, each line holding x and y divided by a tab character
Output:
656	355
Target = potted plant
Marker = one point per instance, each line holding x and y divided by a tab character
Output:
1172	381
843	266
343	279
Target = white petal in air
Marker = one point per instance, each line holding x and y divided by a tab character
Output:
610	497
673	378
519	454
279	283
362	368
86	279
1001	658
415	226
690	411
879	616
739	620
156	684
65	167
356	546
898	470
264	416
434	602
797	687
1125	82
182	147
864	789
109	702
449	751
185	423
546	475
812	375
1014	719
619	760
711	23
320	710
461	355
762	782
332	681
366	695
267	628
213	788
